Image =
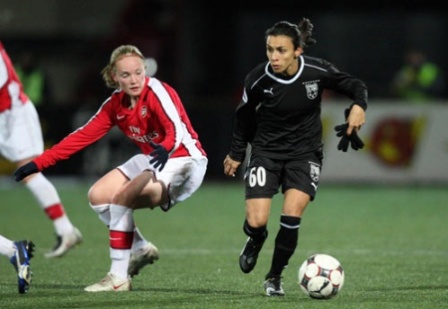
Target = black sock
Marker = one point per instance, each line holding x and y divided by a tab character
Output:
285	244
258	234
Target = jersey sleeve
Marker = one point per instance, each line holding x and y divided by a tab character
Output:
92	131
165	109
3	71
348	85
244	125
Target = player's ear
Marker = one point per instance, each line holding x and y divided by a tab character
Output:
298	52
114	76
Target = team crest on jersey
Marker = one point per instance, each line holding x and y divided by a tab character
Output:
311	90
314	171
144	111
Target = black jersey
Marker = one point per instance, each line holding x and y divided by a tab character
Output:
281	117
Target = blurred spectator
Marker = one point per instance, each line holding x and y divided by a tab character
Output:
418	80
34	79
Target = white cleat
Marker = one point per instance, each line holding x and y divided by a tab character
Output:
64	243
141	258
111	283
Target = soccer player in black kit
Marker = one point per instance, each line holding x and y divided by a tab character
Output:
280	117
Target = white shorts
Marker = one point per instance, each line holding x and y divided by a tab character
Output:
20	133
183	176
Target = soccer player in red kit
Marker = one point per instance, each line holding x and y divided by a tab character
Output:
170	168
21	141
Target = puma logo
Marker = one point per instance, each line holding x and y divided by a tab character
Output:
270	91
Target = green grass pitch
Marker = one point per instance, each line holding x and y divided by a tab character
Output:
392	243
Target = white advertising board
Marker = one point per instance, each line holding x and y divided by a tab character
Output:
404	143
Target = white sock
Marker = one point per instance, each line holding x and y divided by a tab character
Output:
103	212
121	235
139	241
7	247
49	201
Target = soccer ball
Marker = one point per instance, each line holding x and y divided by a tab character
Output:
321	276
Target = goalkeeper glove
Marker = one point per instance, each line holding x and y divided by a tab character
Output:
159	156
25	170
354	140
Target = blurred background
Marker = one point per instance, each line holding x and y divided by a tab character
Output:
204	49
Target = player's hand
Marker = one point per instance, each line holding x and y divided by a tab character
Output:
25	170
348	131
159	156
230	166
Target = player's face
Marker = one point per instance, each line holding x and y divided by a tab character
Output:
130	74
282	55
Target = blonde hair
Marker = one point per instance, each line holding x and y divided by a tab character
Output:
118	52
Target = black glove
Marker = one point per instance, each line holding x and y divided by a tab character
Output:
25	170
341	132
354	140
159	156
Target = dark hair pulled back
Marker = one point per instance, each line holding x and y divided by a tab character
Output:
300	34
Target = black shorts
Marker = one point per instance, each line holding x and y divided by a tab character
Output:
264	176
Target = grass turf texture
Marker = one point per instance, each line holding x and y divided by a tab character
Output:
390	241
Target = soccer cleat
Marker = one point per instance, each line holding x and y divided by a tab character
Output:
273	286
141	258
64	243
111	283
249	254
21	261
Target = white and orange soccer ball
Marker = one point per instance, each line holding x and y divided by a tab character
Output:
321	276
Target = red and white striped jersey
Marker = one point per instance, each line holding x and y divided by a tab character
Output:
11	89
158	116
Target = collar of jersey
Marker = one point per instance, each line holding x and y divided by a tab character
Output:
282	80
